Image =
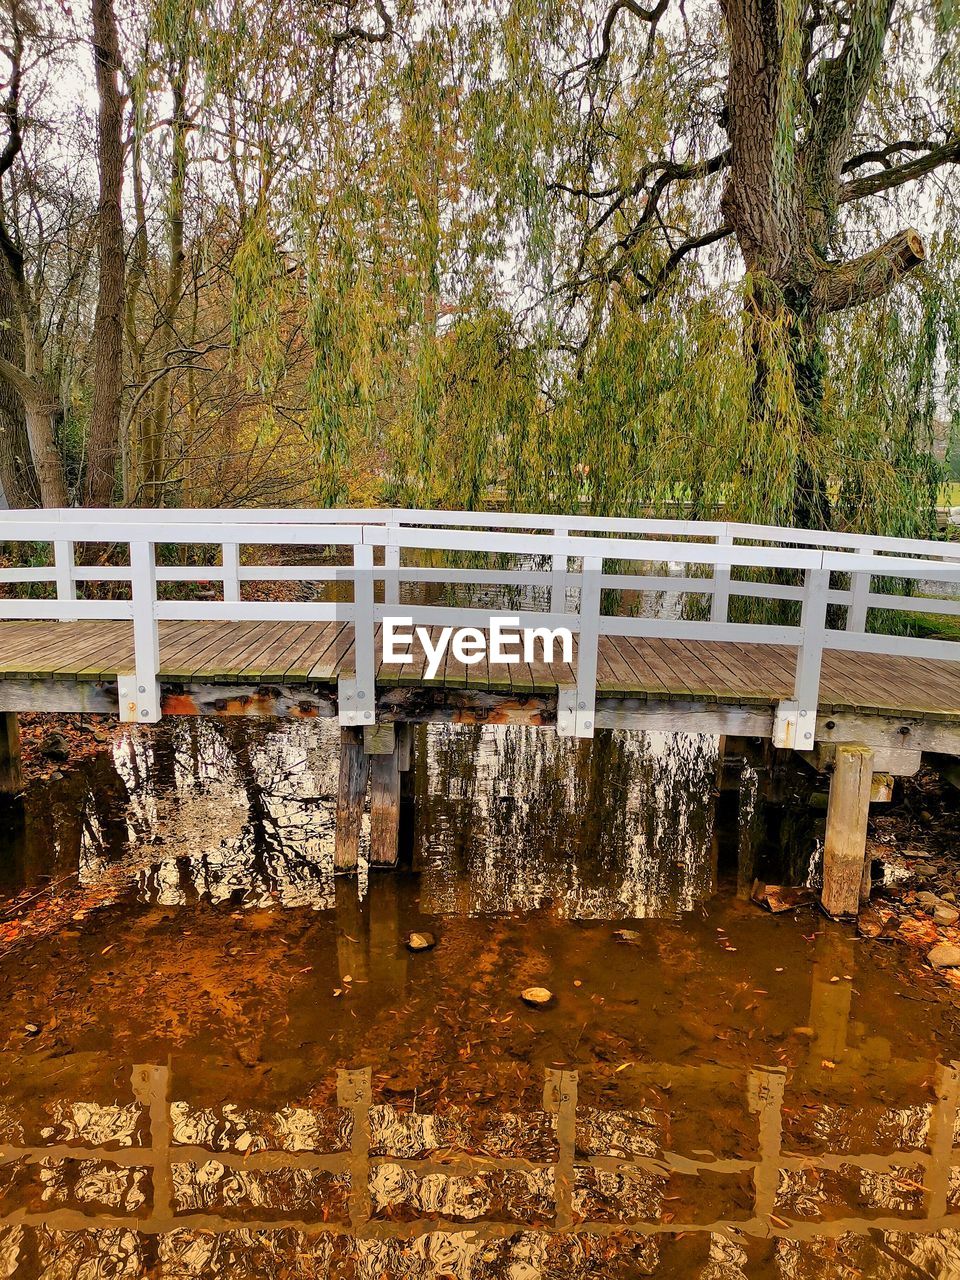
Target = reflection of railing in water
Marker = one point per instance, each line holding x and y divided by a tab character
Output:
363	1181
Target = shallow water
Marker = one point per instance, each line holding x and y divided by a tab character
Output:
218	1060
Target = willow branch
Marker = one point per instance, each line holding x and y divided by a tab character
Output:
842	83
872	184
849	284
652	16
369	37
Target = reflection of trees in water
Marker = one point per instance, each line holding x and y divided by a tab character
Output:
620	825
85	809
244	809
506	817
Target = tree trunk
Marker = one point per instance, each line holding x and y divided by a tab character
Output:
104	434
40	416
18	479
781	198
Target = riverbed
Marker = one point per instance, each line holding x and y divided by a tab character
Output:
219	1059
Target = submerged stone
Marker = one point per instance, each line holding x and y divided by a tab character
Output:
778	897
421	941
626	935
536	997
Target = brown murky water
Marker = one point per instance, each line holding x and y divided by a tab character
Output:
216	1060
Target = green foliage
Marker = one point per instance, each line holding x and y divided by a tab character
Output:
463	222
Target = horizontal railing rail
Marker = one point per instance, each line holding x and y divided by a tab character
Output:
565	562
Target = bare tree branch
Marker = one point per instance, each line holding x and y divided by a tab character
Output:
354	32
872	184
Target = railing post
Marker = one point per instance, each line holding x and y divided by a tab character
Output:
391	573
860	584
720	603
356	694
795	723
578	719
230	557
64	563
558	581
140	692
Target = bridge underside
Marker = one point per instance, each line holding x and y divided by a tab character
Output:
312	656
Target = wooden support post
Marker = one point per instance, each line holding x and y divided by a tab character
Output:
405	745
405	734
385	808
11	774
351	796
845	846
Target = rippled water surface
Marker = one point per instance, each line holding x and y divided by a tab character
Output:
216	1059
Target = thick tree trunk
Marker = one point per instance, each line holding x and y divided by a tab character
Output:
104	434
156	422
18	479
781	198
40	417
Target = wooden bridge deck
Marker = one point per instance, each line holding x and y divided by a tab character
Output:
317	653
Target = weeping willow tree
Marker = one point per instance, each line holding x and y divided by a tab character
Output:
625	257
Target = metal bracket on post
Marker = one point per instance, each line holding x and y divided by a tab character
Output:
785	719
356	694
567	710
584	711
139	693
795	721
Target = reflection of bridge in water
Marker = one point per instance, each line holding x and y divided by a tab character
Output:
715	1170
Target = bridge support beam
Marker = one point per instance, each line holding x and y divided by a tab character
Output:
845	846
385	801
351	799
11	773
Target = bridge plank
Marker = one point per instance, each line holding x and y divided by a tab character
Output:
774	664
327	656
73	650
180	662
271	664
647	679
621	668
243	645
729	669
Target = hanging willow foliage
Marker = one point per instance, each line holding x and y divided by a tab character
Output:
560	255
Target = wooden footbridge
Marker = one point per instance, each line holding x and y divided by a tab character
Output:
116	613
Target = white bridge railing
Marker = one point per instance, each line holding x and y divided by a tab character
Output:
571	559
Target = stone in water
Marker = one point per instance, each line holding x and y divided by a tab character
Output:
539	997
944	956
626	935
421	941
